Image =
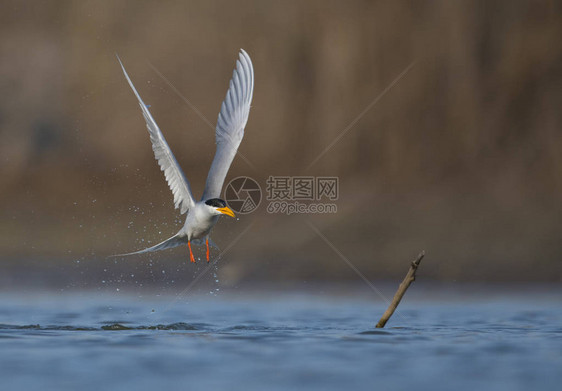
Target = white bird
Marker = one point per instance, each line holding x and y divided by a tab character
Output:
203	215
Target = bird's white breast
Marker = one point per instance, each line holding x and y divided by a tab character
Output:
199	221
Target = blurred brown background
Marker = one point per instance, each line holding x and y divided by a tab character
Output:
462	157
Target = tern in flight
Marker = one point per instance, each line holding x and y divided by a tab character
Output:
203	215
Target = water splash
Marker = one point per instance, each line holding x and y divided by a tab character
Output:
216	280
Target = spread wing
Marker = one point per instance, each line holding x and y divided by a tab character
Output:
233	116
183	198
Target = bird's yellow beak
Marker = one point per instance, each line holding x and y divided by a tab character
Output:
227	211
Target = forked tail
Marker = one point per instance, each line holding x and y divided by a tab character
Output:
174	241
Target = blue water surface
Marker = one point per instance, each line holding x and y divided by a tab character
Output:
280	341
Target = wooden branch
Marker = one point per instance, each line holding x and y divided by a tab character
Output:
410	277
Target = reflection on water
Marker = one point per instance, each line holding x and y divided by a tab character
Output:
90	341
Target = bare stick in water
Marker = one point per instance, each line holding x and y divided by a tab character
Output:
410	277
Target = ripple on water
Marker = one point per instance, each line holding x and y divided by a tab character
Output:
117	326
173	326
19	327
375	332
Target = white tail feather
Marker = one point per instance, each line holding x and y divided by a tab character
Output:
172	242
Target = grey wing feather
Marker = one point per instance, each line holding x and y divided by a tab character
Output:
172	242
232	119
178	183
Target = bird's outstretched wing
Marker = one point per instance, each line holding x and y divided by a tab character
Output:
233	116
183	198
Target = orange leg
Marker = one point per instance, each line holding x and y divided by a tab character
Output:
190	253
207	242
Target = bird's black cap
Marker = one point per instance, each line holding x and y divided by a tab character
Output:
216	202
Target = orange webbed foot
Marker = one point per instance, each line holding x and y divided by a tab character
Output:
207	242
